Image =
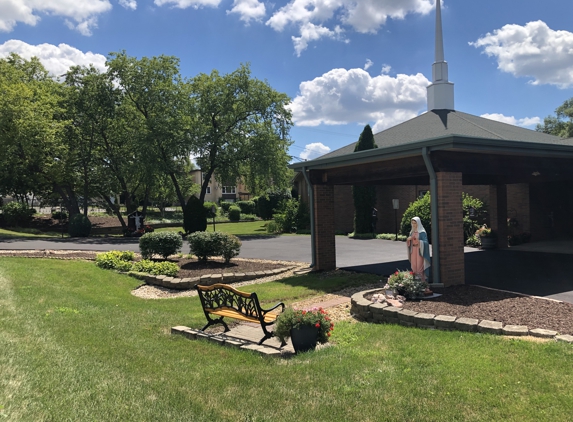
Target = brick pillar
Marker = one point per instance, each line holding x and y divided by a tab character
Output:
498	213
324	227
451	228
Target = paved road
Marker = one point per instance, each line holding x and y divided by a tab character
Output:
547	274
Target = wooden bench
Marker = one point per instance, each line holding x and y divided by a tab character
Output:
226	302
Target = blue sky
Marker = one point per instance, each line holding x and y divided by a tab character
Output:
344	63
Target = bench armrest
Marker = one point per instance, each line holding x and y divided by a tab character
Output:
282	305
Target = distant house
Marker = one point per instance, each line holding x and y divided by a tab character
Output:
217	192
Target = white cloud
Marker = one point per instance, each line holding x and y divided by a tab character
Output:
314	150
365	16
343	96
128	4
83	13
56	59
312	32
368	64
248	10
525	122
533	50
386	68
184	4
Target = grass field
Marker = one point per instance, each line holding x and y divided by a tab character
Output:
76	345
243	228
14	232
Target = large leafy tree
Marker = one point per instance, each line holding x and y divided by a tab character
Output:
364	196
562	123
240	129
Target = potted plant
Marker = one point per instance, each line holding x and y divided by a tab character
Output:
487	237
406	283
306	328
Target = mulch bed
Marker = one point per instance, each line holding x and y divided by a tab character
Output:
194	268
511	309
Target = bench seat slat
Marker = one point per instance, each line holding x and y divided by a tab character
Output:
231	313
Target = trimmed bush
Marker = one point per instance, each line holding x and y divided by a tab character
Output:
79	226
391	236
207	244
225	205
267	205
115	260
16	214
160	243
234	213
194	216
156	268
208	207
59	215
247	207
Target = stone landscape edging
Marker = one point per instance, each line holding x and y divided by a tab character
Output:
205	280
384	313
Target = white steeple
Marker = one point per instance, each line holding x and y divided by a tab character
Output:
441	92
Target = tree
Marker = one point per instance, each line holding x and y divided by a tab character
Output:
240	130
364	196
562	123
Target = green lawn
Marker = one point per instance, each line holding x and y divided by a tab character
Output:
22	232
76	345
243	228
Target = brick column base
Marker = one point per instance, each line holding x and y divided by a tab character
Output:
325	247
451	228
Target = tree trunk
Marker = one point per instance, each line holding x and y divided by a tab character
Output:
115	208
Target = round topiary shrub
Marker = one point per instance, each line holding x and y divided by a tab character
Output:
247	207
209	209
207	244
16	214
79	226
160	243
234	213
194	216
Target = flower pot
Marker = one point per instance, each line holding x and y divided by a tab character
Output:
304	338
488	242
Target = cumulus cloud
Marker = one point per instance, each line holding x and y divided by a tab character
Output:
368	64
533	50
314	150
57	59
248	10
525	122
365	16
386	68
80	15
128	4
184	4
343	96
311	32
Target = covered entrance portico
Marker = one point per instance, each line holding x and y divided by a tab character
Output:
446	164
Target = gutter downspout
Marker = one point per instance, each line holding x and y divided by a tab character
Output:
434	210
311	207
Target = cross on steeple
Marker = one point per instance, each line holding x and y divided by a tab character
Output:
441	91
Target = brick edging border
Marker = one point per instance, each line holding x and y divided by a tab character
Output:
204	280
384	313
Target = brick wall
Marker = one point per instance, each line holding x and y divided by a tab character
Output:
344	206
518	205
498	213
451	236
324	225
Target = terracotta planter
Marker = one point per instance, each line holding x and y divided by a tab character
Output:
488	242
304	338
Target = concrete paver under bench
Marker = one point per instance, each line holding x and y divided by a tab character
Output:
382	313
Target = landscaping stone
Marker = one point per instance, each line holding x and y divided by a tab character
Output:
240	276
490	327
466	324
515	330
166	282
566	338
395	303
390	314
234	343
194	281
204	280
191	334
445	322
250	276
424	320
407	315
362	305
216	278
376	308
185	283
178	329
201	335
268	272
228	277
540	332
378	318
218	339
260	274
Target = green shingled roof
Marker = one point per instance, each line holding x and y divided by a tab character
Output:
440	123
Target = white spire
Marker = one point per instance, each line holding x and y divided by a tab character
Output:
441	92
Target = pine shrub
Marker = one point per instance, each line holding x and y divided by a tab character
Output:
194	216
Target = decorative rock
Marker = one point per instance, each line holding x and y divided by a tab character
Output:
540	332
490	327
424	320
395	303
566	338
515	330
445	322
466	324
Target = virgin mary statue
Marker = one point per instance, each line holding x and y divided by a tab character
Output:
419	250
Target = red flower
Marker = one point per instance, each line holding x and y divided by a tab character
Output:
328	334
317	325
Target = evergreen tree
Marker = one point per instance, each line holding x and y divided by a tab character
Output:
194	216
364	196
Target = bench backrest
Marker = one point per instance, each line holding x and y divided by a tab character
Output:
222	296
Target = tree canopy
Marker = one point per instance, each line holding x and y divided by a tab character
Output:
364	196
562	123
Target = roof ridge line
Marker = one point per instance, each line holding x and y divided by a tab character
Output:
482	128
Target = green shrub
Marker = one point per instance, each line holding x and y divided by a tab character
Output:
247	207
225	205
115	260
234	213
209	207
354	235
267	205
421	208
273	227
59	215
160	243
391	236
156	268
207	244
194	216
79	226
16	214
474	241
